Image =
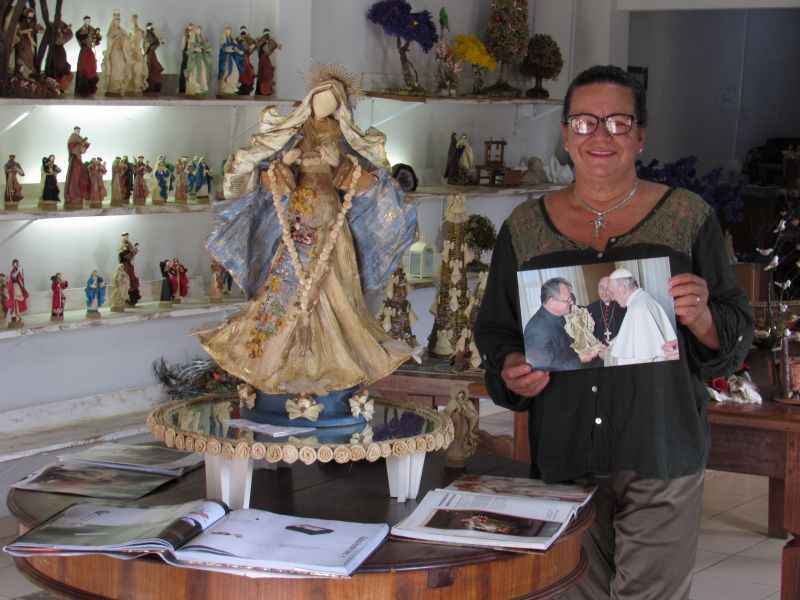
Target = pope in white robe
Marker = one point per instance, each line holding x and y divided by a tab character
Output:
647	334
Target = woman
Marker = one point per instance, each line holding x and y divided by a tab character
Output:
295	245
638	432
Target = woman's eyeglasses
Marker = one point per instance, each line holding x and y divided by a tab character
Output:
587	123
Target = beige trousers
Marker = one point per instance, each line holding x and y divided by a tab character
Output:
643	543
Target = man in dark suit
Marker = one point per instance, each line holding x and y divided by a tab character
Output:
547	345
607	314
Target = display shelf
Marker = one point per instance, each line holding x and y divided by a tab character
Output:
467	99
38	324
436	192
160	101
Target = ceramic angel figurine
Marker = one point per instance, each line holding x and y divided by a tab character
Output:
13	193
266	71
59	299
182	180
231	63
152	40
97	187
137	62
119	291
86	78
95	295
77	186
17	294
141	169
307	329
50	193
116	60
198	62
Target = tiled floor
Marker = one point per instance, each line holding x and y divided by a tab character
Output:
735	559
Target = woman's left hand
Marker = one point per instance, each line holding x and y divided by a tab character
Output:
690	294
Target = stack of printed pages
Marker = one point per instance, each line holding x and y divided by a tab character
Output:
204	535
505	513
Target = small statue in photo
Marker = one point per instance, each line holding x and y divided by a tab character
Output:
86	78
198	62
95	295
247	78
137	62
127	253
13	194
50	193
217	288
152	40
118	176
77	186
167	286
162	180
182	180
141	169
17	302
3	298
120	289
267	46
56	65
231	63
97	187
59	300
116	66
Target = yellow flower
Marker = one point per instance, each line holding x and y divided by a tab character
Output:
472	50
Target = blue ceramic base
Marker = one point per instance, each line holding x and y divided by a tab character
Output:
271	408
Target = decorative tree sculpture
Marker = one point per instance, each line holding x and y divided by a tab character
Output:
397	20
472	50
507	39
543	61
480	237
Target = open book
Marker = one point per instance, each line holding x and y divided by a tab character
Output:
497	512
204	535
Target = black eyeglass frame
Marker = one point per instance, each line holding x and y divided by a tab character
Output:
603	120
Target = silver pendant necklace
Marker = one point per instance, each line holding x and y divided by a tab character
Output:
599	221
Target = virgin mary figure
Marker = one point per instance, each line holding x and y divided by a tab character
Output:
314	219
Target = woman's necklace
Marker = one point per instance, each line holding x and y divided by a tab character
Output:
599	221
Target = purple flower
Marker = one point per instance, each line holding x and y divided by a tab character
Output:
397	20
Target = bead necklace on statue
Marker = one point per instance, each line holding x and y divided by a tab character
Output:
607	317
599	221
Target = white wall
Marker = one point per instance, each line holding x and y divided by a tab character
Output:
720	82
704	4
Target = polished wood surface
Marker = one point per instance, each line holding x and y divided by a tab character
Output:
358	492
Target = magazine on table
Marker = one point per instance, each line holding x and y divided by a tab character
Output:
204	535
497	512
98	482
150	458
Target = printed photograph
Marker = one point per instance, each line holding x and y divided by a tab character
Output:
491	522
517	486
599	315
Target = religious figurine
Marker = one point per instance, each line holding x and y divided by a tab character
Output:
137	62
167	287
266	71
182	180
56	65
97	187
77	187
50	193
3	298
141	169
95	295
464	415
119	291
198	62
201	176
187	32
217	288
118	174
231	63
307	331
117	66
25	44
180	287
86	78
247	78
127	253
162	177
127	188
17	302
460	168
59	299
396	315
13	194
152	40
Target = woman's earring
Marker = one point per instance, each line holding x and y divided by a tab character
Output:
641	150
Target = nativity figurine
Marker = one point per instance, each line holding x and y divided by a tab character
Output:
198	62
167	289
86	77
137	62
231	63
56	65
306	335
119	172
155	70
179	280
216	290
95	291
120	289
97	186
200	174
3	299
50	192
247	78
141	170
162	180
77	186
13	193
17	293
116	66
127	252
59	298
267	46
25	44
182	180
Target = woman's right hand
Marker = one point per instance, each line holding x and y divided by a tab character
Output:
521	378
